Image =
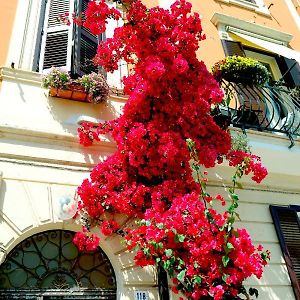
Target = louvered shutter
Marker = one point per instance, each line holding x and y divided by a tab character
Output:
85	46
232	48
56	42
286	223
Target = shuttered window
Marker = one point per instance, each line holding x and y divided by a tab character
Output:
71	47
56	39
286	221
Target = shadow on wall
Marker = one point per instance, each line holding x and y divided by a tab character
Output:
274	285
68	112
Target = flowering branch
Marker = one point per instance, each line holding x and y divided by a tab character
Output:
149	177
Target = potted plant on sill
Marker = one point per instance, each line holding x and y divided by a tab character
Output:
57	81
91	88
95	86
244	70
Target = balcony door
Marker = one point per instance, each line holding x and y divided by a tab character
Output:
269	107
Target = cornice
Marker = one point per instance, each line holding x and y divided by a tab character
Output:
221	19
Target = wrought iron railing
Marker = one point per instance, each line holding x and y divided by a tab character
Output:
267	108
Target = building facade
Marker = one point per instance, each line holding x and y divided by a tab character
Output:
41	161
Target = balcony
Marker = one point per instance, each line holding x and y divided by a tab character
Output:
268	108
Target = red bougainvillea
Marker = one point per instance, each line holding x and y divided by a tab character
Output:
165	137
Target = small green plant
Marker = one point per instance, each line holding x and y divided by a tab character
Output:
240	142
56	78
240	69
96	86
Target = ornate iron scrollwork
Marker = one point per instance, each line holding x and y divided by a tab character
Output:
50	261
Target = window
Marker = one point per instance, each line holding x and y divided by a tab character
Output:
48	266
60	45
280	66
287	225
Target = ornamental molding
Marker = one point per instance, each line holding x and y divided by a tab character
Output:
221	21
71	153
20	75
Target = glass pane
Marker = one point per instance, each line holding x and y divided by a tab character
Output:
50	260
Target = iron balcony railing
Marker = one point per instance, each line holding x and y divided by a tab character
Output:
267	108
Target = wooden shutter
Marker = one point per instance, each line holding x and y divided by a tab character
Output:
286	223
232	48
56	42
85	46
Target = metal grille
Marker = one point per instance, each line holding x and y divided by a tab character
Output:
267	108
57	7
56	50
50	260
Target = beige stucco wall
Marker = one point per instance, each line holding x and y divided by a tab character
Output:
8	11
41	160
278	17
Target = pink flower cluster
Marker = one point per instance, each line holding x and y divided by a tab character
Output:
149	176
86	243
183	238
251	164
95	16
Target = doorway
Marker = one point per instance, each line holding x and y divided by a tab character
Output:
48	266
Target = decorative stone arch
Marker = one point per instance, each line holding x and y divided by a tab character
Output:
129	278
38	216
48	265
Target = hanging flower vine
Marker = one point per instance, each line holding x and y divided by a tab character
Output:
165	138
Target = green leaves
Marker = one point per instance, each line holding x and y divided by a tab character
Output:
168	252
179	238
181	275
197	279
225	260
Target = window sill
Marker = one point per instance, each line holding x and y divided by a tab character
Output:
263	10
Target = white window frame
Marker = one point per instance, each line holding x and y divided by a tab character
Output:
259	5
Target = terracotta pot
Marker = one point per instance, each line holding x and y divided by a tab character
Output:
53	92
66	94
79	95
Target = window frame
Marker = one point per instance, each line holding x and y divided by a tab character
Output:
256	5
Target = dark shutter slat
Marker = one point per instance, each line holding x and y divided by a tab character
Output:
232	48
88	50
288	230
56	50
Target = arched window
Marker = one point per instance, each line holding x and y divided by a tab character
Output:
48	266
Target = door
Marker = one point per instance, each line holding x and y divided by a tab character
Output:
48	266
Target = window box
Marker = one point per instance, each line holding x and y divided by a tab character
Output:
73	93
91	88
